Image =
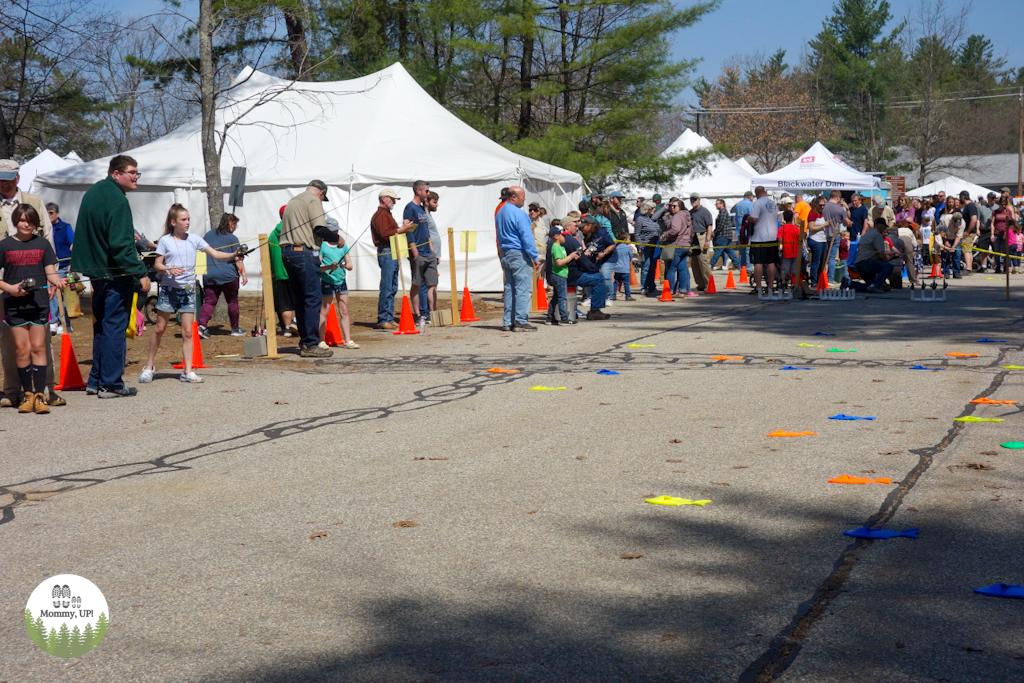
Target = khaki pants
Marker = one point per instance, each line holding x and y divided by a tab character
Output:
12	382
908	253
700	263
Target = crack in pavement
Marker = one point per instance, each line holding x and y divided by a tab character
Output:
785	646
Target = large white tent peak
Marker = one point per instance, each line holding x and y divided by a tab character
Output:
723	178
817	169
44	162
952	186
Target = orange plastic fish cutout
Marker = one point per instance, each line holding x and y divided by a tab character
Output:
501	370
847	479
726	357
957	354
989	401
779	432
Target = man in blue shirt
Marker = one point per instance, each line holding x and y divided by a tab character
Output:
859	217
518	254
422	257
63	237
741	211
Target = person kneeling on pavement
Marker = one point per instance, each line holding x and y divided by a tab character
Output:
873	256
583	272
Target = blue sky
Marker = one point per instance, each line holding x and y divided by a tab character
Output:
746	26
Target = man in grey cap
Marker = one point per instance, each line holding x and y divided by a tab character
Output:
303	228
10	198
617	217
703	223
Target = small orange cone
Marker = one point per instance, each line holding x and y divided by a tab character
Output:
730	283
822	281
467	315
633	282
405	323
743	275
332	334
542	297
70	376
935	270
666	292
657	272
711	289
197	351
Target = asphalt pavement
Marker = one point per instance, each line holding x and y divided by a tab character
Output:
245	529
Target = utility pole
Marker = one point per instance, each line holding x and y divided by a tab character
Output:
1020	147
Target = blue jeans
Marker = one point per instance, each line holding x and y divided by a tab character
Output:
833	252
817	253
518	289
54	310
304	280
678	271
872	268
608	271
559	296
723	248
111	303
649	269
744	252
956	259
624	279
388	286
594	281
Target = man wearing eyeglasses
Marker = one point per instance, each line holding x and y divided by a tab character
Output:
105	252
10	198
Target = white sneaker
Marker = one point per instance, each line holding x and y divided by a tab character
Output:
58	330
146	376
323	345
608	303
191	377
350	345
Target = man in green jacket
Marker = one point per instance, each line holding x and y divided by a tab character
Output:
104	250
282	295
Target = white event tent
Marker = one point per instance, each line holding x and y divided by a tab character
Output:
44	162
745	165
952	186
723	179
819	170
358	136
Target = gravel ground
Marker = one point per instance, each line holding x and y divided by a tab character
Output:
192	507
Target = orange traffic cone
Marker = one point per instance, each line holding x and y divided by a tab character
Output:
711	289
743	275
542	297
70	376
633	282
666	292
467	315
935	270
197	351
822	281
657	272
730	283
332	334
405	323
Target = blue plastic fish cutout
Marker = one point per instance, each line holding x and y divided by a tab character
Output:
986	340
794	367
823	334
867	532
921	367
1002	590
607	372
840	416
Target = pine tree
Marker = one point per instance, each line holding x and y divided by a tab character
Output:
33	633
101	628
51	642
77	644
41	630
64	641
88	637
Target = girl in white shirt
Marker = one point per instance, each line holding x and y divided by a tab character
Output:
176	260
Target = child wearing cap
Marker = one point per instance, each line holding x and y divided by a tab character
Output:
333	268
559	275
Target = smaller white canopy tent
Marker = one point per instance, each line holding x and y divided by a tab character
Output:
817	169
951	186
723	179
44	162
745	165
73	157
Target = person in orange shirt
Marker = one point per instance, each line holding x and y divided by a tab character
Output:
801	210
789	237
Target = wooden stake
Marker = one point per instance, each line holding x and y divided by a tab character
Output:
268	298
451	264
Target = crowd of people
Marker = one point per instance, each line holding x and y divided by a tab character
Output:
585	258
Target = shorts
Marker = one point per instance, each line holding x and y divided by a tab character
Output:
176	300
969	240
283	296
18	314
789	266
330	289
763	254
424	270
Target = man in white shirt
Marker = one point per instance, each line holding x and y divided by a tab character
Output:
763	249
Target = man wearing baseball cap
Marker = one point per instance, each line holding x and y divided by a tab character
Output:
739	213
700	261
303	228
10	198
382	228
617	217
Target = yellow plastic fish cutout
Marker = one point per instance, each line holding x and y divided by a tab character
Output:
547	388
812	346
640	346
669	500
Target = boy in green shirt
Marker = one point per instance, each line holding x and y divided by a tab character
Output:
559	276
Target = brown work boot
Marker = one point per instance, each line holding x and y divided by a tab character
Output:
28	403
42	406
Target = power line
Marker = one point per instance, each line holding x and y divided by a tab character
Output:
784	109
